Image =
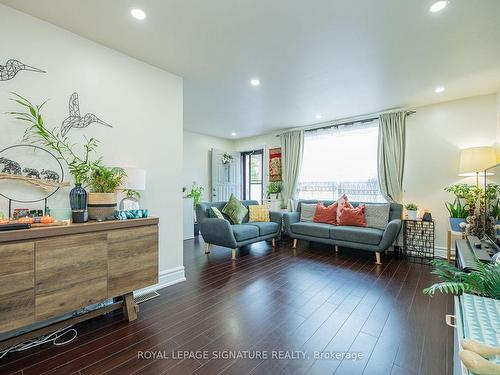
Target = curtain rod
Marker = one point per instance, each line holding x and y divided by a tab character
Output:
333	124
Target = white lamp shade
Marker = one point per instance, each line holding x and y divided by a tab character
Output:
135	180
476	159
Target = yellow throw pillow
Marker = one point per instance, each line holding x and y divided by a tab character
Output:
258	213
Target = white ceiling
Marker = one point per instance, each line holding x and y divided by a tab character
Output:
335	57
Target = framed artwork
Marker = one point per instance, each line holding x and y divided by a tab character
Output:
275	164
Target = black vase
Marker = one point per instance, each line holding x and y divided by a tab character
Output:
78	198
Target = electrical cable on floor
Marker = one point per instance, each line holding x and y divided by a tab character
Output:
52	337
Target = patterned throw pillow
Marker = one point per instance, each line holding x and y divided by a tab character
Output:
327	215
342	202
235	210
354	217
214	213
377	215
258	213
307	211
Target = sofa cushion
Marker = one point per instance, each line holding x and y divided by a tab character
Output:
307	212
353	216
312	229
265	228
377	215
258	213
326	214
235	210
243	232
371	236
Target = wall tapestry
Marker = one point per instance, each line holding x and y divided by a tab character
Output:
75	120
275	164
12	67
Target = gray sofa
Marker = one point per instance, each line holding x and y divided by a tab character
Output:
364	238
221	232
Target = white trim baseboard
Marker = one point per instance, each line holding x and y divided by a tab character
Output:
166	278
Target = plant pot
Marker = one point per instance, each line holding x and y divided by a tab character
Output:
412	215
455	223
101	205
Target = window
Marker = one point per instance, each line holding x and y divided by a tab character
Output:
341	161
252	165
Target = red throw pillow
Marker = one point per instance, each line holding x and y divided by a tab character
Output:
354	217
327	215
342	202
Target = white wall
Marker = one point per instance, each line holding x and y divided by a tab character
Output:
197	159
143	103
435	135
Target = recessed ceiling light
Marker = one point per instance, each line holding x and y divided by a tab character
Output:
233	134
319	115
138	14
438	6
439	89
255	82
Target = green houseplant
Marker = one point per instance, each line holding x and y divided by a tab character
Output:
274	187
459	209
104	183
484	282
196	193
411	209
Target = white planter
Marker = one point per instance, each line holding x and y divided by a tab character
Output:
412	215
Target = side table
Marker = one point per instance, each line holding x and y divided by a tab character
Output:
418	239
450	236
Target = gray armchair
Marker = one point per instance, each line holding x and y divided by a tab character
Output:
221	232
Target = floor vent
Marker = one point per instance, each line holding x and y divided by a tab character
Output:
146	297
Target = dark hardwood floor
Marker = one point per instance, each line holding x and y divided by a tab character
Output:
272	302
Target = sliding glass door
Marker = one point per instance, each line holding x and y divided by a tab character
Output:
253	171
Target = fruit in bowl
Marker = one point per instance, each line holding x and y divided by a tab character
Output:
46	219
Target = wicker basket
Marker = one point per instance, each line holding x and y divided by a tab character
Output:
101	205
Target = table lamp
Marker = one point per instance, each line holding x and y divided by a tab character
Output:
475	160
134	182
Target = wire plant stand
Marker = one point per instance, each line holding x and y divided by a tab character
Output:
418	240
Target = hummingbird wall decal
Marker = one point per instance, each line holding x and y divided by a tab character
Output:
12	67
75	120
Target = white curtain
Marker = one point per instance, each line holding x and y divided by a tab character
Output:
292	149
391	155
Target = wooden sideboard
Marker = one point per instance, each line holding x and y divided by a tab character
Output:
50	271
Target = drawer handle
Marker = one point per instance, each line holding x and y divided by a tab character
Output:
450	320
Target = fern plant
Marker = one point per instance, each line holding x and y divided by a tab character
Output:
106	180
484	282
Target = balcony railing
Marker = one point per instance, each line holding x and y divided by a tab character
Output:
362	191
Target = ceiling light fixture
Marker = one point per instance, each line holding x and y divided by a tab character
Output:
255	82
233	134
138	14
439	89
319	115
438	6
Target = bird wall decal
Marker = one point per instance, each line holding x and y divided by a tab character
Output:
12	67
75	120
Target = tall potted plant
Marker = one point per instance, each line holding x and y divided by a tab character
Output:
196	194
459	209
104	183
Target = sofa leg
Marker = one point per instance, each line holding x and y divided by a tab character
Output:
336	248
377	258
386	252
294	243
233	254
207	248
273	242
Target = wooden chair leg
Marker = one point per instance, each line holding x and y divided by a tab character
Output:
294	243
377	258
233	254
130	308
207	248
273	242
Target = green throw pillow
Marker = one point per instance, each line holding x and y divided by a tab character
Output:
214	213
235	210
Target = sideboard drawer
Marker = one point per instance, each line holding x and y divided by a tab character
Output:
71	273
17	285
132	259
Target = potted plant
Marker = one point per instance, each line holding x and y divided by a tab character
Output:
104	183
274	187
484	282
79	163
196	193
459	209
411	210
